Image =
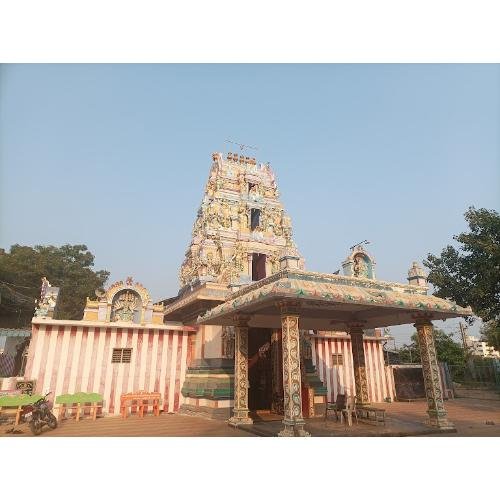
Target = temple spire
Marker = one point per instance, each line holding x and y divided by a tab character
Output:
241	227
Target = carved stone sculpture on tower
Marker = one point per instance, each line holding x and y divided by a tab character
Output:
243	216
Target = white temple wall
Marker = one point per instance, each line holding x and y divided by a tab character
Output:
212	337
339	379
76	357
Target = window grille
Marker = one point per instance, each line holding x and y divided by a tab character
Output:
338	359
121	355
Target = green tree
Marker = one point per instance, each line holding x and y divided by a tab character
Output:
68	267
447	350
470	275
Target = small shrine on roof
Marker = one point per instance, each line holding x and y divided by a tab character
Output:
359	264
125	302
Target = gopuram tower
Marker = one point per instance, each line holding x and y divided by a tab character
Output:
241	228
241	234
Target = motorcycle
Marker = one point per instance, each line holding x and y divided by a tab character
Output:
38	414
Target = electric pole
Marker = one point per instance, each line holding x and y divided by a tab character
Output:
463	332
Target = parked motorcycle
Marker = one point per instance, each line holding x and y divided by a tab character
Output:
38	414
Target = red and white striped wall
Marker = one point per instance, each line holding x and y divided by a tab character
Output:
339	379
66	357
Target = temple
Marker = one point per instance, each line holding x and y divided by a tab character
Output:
251	331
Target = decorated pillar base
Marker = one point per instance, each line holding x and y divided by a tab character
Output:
436	410
439	420
240	419
287	431
293	429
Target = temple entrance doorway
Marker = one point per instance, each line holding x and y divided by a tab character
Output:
258	266
265	373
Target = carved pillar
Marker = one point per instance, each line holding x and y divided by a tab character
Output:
359	363
277	381
292	383
250	261
241	384
430	369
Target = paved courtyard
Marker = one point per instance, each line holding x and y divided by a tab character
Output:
403	419
164	425
469	415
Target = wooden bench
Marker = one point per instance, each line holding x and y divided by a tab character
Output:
371	414
13	404
141	400
78	403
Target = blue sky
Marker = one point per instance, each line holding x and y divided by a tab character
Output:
117	156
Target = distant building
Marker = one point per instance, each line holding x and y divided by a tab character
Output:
13	351
480	348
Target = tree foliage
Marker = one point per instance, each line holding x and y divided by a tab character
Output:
470	275
447	350
68	267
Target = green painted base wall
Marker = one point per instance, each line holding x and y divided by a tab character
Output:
210	379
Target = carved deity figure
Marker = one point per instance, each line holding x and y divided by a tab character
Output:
186	272
306	346
210	264
242	183
360	268
276	221
266	219
125	306
274	261
211	186
228	272
270	192
197	226
213	215
243	216
48	298
228	342
225	215
192	266
255	192
286	224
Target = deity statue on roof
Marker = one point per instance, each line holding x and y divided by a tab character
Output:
124	306
360	266
254	192
243	216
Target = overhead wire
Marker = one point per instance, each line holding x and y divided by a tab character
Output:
21	297
20	286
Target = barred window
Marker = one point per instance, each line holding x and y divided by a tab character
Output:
121	355
337	359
